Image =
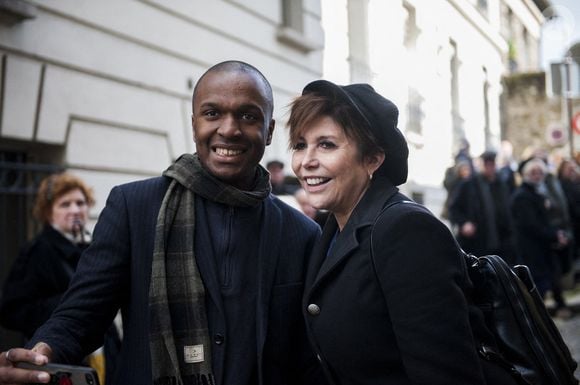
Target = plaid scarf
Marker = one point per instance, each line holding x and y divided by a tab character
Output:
179	336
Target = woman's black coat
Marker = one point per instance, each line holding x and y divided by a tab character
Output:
405	320
534	235
37	281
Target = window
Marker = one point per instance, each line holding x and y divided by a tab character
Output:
486	111
482	7
292	14
291	31
411	30
414	111
456	119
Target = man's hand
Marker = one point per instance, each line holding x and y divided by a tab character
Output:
9	374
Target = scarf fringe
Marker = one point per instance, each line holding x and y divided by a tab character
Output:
194	379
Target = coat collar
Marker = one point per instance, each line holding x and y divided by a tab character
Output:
67	248
363	215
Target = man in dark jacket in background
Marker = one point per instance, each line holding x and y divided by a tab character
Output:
206	265
480	211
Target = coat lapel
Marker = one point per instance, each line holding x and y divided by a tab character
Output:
347	241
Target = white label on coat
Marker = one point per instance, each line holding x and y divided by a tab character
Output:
193	354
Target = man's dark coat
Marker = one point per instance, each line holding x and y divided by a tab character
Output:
115	272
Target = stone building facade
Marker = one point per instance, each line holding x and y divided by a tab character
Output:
531	118
442	62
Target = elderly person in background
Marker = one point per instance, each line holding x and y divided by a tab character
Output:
397	314
41	273
536	237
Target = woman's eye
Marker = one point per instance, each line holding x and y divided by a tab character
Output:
299	146
327	144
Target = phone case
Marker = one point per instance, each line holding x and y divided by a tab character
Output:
65	374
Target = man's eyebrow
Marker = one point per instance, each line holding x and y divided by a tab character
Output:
251	107
208	104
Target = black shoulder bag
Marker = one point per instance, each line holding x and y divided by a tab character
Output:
530	345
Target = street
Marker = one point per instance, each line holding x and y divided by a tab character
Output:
570	330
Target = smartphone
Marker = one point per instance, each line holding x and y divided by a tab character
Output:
65	374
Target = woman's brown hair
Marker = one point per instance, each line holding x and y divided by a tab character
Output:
308	108
53	187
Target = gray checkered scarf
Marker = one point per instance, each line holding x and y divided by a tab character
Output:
179	337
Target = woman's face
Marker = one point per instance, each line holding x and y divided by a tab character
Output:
535	175
330	169
70	212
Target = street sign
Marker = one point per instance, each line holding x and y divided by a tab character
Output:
559	79
556	134
576	123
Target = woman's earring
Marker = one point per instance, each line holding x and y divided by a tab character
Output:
370	176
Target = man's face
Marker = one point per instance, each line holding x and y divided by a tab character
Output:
276	175
489	169
232	125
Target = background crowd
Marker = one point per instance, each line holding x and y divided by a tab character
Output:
528	212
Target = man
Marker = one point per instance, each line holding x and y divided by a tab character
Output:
480	211
278	179
206	265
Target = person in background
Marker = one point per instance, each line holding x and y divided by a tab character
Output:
569	177
464	154
507	166
42	272
278	179
480	211
207	266
559	214
454	175
536	237
319	216
393	309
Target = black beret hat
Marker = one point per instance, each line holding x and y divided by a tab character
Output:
381	116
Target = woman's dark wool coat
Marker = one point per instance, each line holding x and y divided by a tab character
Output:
405	321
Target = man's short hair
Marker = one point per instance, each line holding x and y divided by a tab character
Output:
274	164
240	66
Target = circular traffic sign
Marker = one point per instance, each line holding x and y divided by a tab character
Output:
576	123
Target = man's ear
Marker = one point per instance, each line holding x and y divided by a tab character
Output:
193	126
270	131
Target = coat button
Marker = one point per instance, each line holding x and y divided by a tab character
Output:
313	309
219	339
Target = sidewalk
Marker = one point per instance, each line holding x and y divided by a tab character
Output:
570	329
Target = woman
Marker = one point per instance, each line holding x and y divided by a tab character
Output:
401	315
41	273
536	237
569	176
